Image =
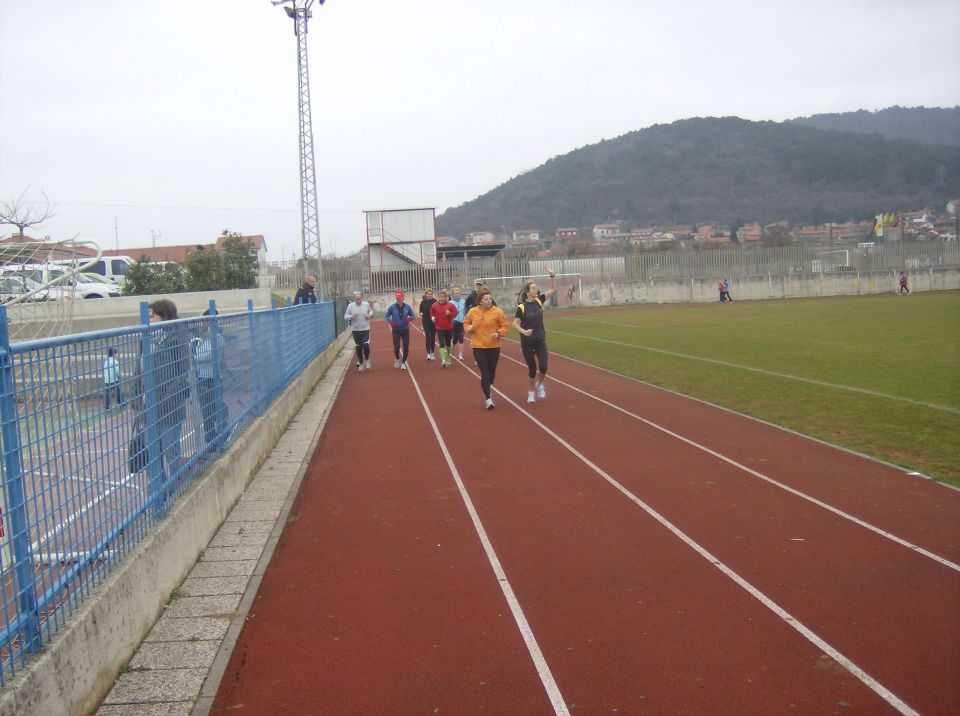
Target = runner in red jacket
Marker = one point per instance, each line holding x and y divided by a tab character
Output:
442	314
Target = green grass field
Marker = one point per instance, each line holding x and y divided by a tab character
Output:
878	374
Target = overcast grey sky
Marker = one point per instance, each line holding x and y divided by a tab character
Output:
179	118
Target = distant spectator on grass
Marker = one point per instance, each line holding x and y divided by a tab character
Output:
726	290
903	283
720	289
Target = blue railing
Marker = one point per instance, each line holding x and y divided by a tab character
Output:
95	452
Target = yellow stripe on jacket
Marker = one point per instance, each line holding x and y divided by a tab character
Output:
485	322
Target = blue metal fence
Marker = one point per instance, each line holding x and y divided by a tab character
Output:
94	452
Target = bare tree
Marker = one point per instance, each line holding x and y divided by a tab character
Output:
21	213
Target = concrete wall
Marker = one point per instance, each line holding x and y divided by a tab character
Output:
77	669
807	285
104	313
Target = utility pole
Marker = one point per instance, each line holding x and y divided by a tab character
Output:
300	12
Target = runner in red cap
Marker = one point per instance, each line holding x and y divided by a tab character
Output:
400	316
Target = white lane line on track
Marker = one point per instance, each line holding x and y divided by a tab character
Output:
763	371
793	491
546	676
871	683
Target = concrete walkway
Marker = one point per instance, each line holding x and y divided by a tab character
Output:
178	667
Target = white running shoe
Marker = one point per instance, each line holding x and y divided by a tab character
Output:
429	356
396	364
403	366
541	392
489	404
531	398
460	356
360	368
366	365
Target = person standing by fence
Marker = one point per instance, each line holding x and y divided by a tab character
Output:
903	283
726	290
171	387
358	315
486	325
399	315
307	293
112	377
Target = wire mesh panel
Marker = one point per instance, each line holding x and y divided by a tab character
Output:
101	432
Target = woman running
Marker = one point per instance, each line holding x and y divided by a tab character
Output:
429	331
486	325
459	302
528	320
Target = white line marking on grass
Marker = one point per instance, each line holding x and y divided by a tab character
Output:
793	491
546	677
762	371
871	683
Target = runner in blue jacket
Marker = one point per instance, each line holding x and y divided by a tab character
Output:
399	315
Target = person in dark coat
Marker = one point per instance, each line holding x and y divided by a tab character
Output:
307	292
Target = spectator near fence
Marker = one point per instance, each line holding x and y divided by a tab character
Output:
112	376
903	283
171	363
307	292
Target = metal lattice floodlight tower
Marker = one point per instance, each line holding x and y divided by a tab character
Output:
299	11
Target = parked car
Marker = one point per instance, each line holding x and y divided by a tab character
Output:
76	286
15	286
111	269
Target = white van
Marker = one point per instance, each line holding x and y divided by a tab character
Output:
112	268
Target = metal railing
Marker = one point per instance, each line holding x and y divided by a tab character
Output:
731	262
95	452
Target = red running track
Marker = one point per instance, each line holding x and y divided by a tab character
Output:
614	548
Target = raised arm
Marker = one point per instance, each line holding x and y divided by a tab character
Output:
553	283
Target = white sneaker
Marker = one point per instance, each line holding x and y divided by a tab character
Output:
489	404
460	356
531	398
541	392
396	364
366	365
429	356
360	368
403	366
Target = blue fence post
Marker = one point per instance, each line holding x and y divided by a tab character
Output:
278	341
155	469
216	347
254	359
16	507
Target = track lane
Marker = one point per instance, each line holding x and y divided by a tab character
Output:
618	603
627	616
926	513
379	598
880	604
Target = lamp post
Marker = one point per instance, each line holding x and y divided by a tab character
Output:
300	12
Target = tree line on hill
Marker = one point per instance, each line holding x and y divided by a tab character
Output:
728	171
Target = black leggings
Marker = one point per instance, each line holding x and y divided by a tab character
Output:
458	332
534	352
362	339
486	359
444	338
430	334
398	338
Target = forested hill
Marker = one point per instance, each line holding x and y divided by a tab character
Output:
725	170
933	125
